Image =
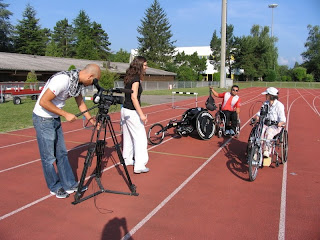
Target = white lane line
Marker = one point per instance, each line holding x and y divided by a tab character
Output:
283	201
167	199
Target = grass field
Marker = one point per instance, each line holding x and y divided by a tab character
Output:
15	117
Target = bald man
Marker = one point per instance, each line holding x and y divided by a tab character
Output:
47	123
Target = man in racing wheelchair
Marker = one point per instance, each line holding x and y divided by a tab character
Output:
275	118
230	107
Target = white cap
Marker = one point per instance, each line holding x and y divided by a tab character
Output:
272	91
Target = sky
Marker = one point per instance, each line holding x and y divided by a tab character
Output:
192	21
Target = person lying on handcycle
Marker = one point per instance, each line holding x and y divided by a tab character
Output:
275	114
230	107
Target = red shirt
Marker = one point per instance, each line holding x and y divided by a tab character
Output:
229	103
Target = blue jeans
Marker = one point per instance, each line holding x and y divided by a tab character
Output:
52	149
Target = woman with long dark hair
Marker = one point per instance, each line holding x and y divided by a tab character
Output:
133	119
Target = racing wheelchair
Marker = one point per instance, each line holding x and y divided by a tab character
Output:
220	124
278	145
198	119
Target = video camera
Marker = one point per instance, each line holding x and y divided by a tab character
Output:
108	98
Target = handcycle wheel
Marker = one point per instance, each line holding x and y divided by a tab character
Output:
284	146
249	146
205	125
253	162
156	134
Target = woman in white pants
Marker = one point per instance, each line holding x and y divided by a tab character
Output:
133	119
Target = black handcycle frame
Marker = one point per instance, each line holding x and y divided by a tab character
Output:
183	127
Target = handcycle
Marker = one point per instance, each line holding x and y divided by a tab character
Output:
193	119
278	145
220	124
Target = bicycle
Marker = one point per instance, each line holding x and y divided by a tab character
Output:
194	118
256	141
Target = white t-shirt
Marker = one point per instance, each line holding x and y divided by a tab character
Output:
276	112
59	86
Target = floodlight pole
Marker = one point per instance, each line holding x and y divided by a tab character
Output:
272	6
223	44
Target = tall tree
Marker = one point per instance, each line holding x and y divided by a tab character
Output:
62	40
85	46
92	42
311	56
256	53
30	38
155	41
5	28
101	41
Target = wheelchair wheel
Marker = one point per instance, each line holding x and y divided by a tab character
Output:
205	125
238	130
284	146
253	162
218	125
156	134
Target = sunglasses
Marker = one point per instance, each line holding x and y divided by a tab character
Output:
235	90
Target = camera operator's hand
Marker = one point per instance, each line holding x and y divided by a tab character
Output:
70	117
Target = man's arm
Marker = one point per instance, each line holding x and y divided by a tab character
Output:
46	103
214	92
83	107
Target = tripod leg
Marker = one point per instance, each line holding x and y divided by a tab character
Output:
87	163
119	153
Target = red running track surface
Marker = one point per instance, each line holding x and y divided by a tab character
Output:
195	189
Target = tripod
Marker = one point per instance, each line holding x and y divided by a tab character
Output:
103	122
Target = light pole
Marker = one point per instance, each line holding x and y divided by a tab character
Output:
223	44
274	5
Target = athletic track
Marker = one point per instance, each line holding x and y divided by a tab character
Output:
195	189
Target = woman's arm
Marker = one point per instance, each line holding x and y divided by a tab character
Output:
136	104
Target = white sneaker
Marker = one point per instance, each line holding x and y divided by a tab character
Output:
232	132
266	154
142	171
227	132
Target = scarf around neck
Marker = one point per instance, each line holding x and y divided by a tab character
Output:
74	88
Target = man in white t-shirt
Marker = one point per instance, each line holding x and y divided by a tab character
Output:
46	120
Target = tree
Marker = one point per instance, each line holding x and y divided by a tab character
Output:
120	56
85	46
256	53
62	40
311	56
92	42
215	46
299	73
155	42
101	41
108	78
30	38
5	28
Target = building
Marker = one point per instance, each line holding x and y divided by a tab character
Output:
202	51
15	67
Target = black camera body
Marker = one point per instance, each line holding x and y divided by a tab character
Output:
108	98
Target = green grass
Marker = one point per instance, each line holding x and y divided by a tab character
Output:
14	117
